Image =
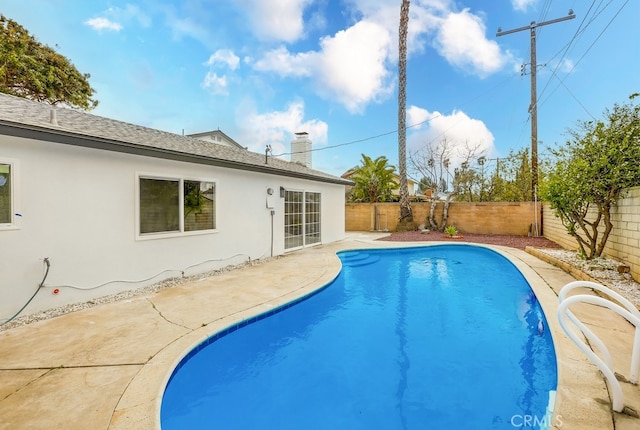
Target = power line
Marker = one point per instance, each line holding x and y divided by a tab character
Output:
533	107
361	140
589	48
365	139
566	49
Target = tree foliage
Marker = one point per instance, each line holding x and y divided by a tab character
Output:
599	161
31	70
475	177
511	181
374	180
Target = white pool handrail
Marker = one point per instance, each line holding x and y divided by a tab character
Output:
629	312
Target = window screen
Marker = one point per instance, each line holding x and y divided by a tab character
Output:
159	210
5	194
199	205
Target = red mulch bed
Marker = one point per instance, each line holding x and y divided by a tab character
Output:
519	242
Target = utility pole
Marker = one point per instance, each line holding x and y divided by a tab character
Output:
533	108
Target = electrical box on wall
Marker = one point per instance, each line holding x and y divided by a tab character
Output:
270	199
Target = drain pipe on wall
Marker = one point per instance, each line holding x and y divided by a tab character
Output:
46	262
270	203
272	214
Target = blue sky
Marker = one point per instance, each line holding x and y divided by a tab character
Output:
260	70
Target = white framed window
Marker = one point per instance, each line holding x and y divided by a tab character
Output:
301	218
169	206
9	194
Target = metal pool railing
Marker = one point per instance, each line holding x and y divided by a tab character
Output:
628	311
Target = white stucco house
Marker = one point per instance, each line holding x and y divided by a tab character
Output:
109	206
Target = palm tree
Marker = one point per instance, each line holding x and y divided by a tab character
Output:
374	180
406	214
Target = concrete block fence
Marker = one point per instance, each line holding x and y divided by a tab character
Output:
624	241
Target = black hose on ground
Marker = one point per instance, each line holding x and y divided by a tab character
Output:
46	261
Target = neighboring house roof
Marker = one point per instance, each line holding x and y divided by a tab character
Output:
34	120
217	136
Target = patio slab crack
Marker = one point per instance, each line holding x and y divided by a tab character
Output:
153	305
17	390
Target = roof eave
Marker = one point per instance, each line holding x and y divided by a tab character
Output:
70	138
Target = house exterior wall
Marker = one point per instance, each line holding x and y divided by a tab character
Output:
78	209
624	241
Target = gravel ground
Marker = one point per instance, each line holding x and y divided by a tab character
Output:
167	283
519	242
603	269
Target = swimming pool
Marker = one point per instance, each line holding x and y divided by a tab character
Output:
442	337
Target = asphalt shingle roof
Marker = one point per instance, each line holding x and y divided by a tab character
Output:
29	116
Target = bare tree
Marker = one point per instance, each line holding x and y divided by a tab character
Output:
429	162
434	162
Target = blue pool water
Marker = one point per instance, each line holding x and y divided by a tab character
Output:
438	337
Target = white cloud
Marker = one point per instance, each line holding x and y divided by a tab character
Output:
277	128
190	28
350	66
100	24
226	57
458	36
215	84
461	40
282	62
522	5
356	66
353	66
416	117
279	20
218	85
130	13
459	130
133	12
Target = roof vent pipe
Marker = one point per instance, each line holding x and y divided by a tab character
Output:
53	116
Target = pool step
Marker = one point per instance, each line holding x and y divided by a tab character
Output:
359	259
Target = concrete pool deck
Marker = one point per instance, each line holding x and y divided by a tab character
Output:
105	367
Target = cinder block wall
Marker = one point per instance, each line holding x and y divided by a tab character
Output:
624	240
478	218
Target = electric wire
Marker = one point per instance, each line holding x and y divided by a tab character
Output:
181	271
48	265
359	140
590	47
567	48
433	117
599	9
